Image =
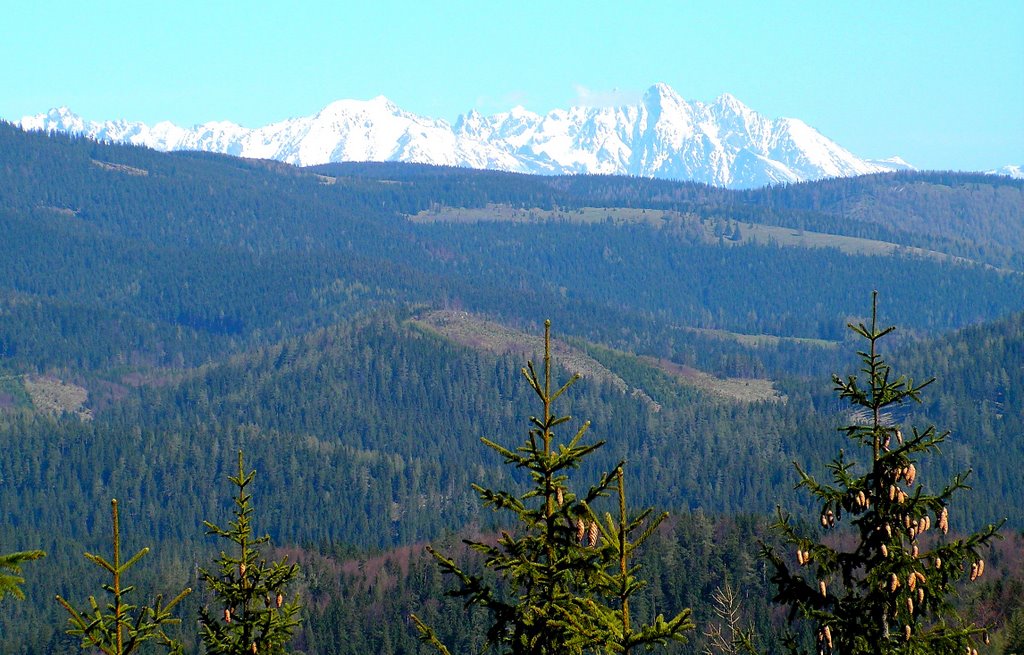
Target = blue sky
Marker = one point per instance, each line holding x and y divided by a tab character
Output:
939	83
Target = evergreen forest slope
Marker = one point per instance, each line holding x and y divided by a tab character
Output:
206	303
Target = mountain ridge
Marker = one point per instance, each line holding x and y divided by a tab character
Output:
723	143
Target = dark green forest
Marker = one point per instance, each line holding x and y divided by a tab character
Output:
202	304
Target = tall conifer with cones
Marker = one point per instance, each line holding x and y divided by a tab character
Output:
885	583
251	613
564	578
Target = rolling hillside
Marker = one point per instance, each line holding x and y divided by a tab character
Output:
160	311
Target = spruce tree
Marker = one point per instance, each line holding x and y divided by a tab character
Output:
10	572
121	628
253	615
604	619
885	585
564	577
1014	633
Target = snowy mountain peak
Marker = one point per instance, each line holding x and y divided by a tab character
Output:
61	112
375	106
724	143
1010	170
60	119
520	112
730	103
662	90
894	162
664	97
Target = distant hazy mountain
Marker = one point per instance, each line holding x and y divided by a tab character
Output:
1010	170
723	143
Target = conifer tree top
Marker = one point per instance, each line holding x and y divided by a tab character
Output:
891	590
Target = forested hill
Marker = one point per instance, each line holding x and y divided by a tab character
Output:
977	216
119	255
966	214
365	436
160	311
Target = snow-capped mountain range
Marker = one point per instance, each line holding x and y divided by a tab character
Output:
723	143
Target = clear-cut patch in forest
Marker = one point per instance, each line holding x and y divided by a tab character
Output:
685	225
747	390
762	340
493	212
785	236
120	168
480	334
53	396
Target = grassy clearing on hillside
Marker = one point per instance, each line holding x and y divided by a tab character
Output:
745	390
710	230
478	333
762	340
785	236
120	168
585	215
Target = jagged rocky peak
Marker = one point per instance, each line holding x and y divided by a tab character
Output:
661	92
661	99
728	103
